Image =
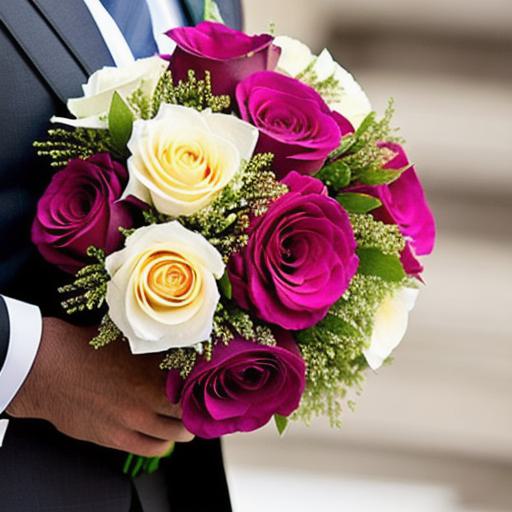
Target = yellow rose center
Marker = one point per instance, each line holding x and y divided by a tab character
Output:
167	280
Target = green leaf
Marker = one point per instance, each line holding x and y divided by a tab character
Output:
358	203
359	140
336	175
373	262
212	11
281	423
128	463
367	122
137	466
381	176
120	122
134	464
346	143
225	286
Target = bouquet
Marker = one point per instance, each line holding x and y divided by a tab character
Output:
239	208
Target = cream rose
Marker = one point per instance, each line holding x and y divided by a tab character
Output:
183	158
163	291
91	109
351	101
390	325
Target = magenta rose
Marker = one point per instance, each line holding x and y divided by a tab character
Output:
294	121
409	261
81	208
300	257
404	203
241	388
228	54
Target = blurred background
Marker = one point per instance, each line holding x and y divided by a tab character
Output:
432	432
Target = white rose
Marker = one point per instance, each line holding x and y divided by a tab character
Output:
91	109
183	158
390	325
163	291
295	56
351	101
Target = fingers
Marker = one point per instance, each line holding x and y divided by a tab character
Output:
149	447
152	395
140	444
163	428
166	408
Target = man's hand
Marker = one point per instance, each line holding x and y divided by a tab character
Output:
105	396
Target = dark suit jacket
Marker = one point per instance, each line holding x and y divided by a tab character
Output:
47	50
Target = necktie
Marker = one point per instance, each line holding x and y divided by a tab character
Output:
134	21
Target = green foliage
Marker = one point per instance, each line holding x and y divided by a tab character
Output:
224	222
153	216
141	104
120	123
64	144
373	262
225	286
212	12
88	290
281	423
181	359
329	88
229	321
375	234
381	176
107	333
135	464
357	203
333	349
360	153
192	93
127	232
335	175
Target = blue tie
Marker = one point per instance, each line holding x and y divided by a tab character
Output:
134	21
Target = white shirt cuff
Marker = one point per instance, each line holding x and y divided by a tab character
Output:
25	328
3	428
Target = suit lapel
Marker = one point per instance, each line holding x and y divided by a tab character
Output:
43	48
64	44
231	11
73	23
194	10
